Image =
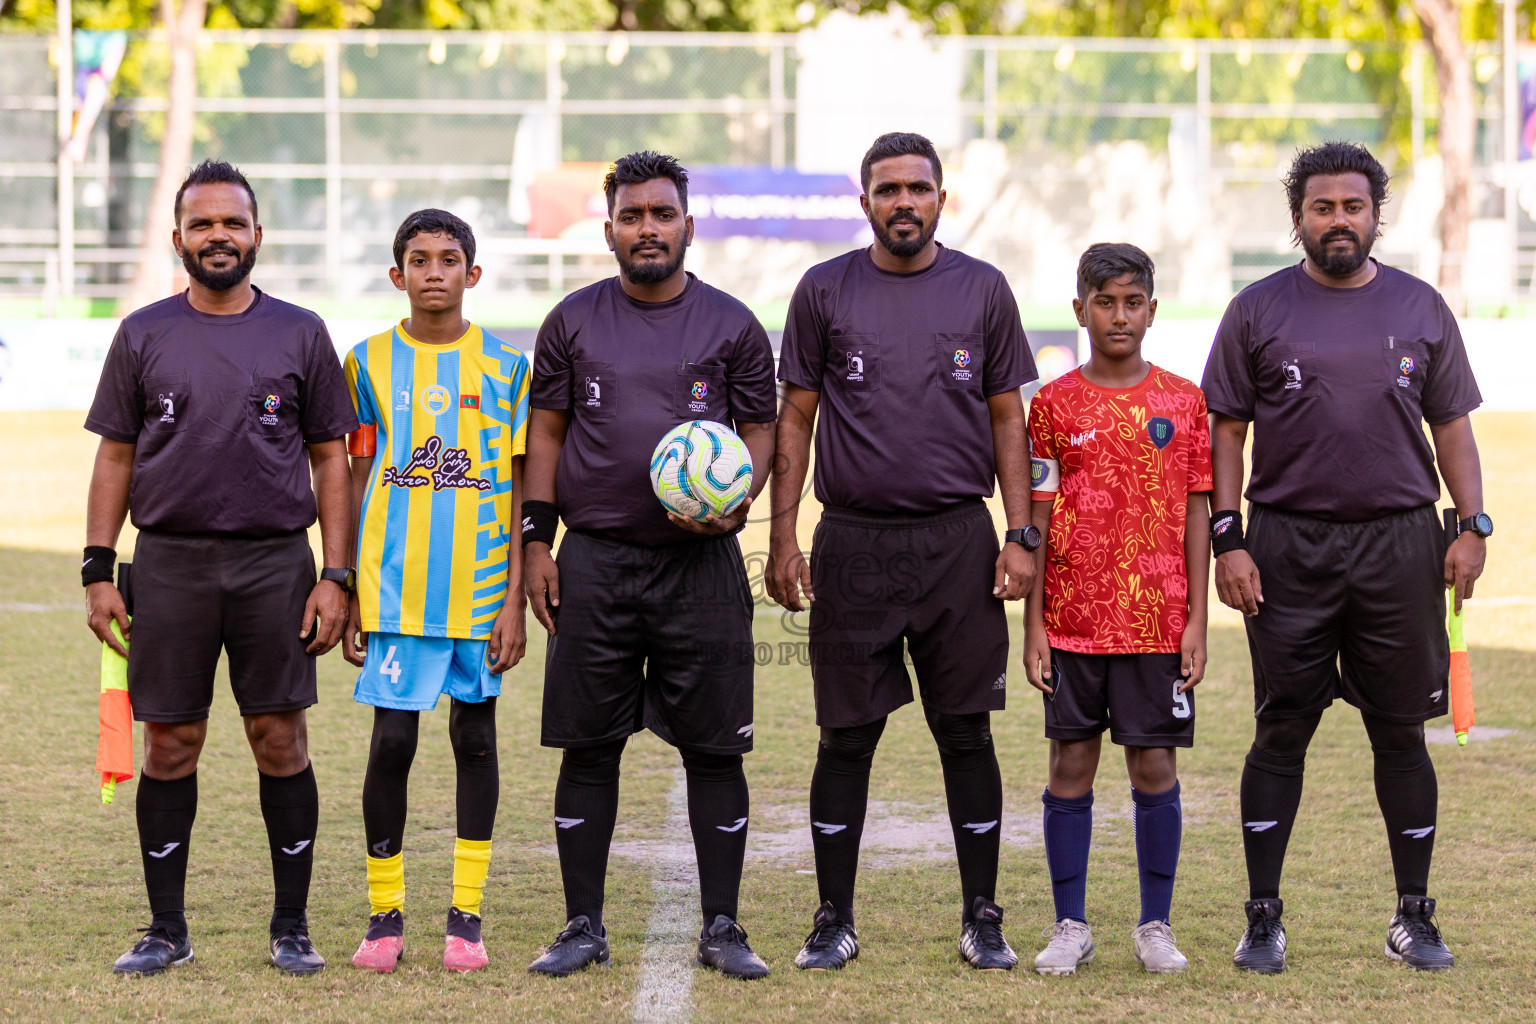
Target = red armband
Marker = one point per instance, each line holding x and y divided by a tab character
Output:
363	442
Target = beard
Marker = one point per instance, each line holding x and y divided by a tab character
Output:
906	248
651	271
1336	264
218	280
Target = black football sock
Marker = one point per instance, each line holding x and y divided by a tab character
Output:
973	788
290	805
586	804
718	807
390	754
165	809
1409	796
1157	819
472	731
1269	796
839	801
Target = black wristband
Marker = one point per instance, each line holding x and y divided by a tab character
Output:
1227	532
97	567
540	520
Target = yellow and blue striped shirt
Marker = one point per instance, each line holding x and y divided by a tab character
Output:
437	517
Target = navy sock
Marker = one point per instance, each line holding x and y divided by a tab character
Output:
1068	829
1158	820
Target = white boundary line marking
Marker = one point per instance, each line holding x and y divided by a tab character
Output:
665	992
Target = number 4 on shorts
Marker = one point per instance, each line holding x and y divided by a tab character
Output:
391	667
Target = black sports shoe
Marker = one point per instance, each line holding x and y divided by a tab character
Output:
1263	946
831	944
573	949
293	953
156	951
723	946
981	938
1413	938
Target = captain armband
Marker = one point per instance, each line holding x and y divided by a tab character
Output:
540	519
1044	475
363	442
1227	532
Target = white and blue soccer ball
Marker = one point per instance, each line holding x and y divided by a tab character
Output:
701	467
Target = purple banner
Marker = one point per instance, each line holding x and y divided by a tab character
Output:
765	203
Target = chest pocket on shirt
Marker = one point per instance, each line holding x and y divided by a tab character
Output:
700	393
1406	367
960	361
853	362
166	401
1290	372
596	389
274	407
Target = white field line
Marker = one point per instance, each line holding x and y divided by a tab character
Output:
15	607
665	992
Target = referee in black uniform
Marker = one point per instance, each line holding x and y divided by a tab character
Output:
1338	362
215	408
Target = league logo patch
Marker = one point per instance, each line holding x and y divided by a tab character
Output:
1405	368
856	365
594	389
168	407
962	357
436	400
271	405
700	389
698	406
1160	430
1292	375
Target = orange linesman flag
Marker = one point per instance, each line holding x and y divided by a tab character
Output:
114	747
1462	715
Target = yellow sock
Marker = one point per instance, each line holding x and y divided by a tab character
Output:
386	883
471	863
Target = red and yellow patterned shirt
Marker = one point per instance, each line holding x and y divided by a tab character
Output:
1120	465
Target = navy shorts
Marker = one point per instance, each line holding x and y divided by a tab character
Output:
923	580
1135	696
194	596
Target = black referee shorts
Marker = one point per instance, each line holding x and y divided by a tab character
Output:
650	638
1351	610
880	580
192	596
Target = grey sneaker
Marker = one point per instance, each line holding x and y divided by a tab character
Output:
1070	947
1155	948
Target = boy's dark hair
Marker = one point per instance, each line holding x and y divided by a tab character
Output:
1105	261
214	172
1335	158
639	168
434	222
901	144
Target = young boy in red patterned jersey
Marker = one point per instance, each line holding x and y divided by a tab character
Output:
1115	629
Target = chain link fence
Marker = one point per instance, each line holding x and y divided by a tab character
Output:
1177	145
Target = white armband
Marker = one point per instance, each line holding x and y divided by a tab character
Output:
1044	475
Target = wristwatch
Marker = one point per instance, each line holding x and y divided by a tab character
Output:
1480	524
346	578
1028	536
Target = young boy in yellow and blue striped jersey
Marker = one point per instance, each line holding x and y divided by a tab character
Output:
436	475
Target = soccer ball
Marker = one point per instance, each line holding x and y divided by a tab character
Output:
701	467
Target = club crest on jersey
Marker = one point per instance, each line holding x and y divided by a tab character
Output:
436	399
449	468
1160	430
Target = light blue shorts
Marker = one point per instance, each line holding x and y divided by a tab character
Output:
410	673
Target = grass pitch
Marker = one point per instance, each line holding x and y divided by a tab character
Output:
71	893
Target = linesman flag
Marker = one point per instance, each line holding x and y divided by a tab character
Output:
114	743
1462	715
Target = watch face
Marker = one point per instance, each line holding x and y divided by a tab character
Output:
1482	523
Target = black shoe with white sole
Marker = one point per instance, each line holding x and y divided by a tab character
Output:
1413	938
155	952
831	944
723	946
293	953
981	939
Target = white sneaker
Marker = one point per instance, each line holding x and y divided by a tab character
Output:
1071	945
1155	949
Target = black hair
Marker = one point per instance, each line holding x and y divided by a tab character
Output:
1335	158
639	168
214	172
434	222
1106	261
901	144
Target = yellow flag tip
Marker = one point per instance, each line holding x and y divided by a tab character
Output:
1461	739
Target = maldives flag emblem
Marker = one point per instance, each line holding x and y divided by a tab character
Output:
469	401
1160	430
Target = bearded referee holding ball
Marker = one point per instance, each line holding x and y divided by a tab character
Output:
649	615
216	408
1337	362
